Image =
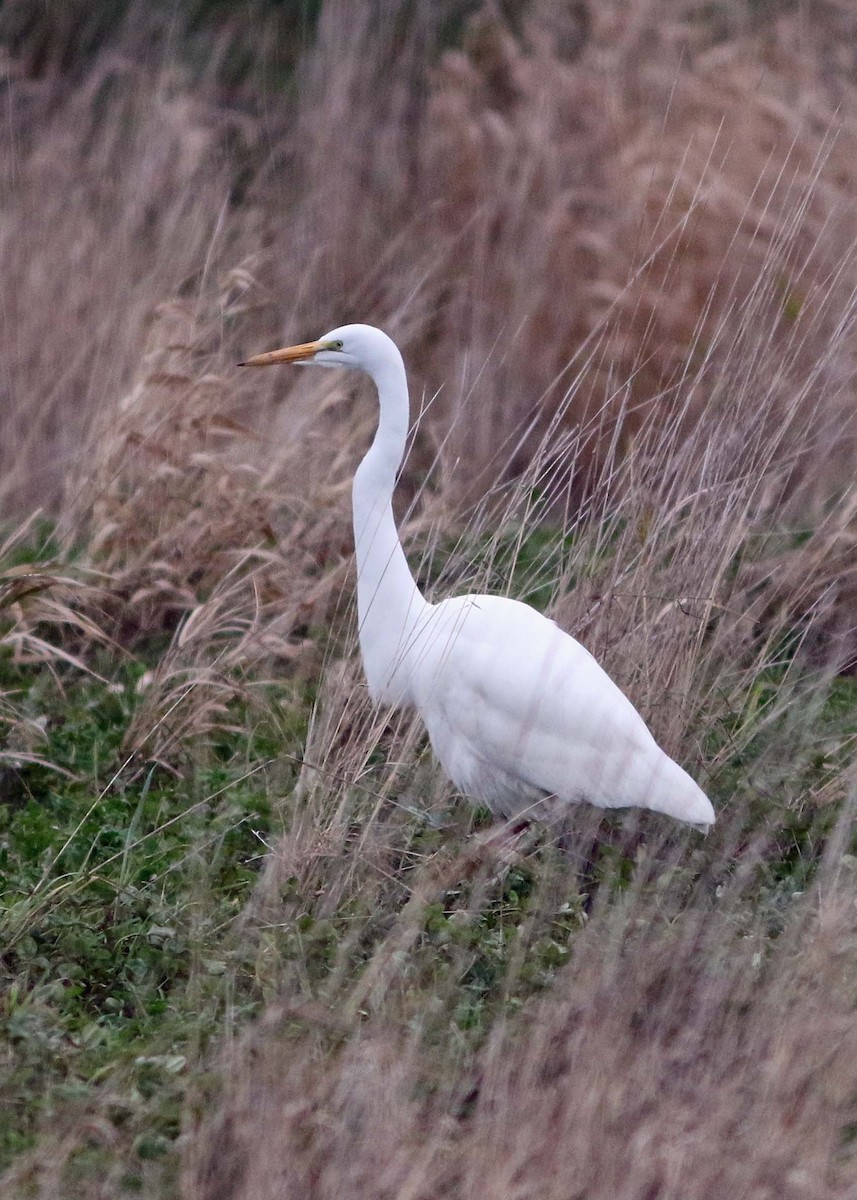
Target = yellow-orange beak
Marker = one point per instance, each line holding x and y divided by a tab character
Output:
289	354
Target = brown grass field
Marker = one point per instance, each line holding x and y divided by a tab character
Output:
252	945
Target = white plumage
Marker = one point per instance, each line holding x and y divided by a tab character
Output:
520	715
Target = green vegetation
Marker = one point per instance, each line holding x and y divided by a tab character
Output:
134	937
120	891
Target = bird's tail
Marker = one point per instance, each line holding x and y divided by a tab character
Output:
673	792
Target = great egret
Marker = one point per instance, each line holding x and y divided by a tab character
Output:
520	715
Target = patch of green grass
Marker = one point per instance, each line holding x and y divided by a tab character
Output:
520	562
795	797
119	893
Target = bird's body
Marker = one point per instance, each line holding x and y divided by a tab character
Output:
520	715
501	688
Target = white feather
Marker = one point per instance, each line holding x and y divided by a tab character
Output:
520	715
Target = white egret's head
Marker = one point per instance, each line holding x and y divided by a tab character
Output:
361	346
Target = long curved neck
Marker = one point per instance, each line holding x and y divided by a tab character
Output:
389	603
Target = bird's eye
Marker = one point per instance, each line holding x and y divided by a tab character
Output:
335	345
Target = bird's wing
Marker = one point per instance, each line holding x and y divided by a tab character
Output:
530	701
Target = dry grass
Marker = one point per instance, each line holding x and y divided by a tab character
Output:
619	256
673	1061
